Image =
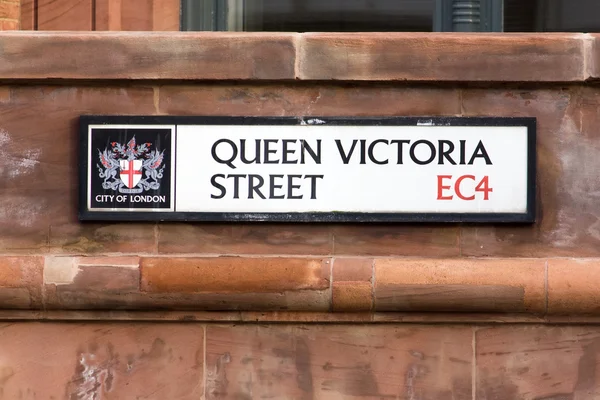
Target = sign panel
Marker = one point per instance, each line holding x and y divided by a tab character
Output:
308	169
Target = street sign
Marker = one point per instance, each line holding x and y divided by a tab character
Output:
397	169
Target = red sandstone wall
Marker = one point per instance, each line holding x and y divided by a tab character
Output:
94	15
9	14
182	310
184	360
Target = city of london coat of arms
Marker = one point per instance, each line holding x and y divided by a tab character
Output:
130	168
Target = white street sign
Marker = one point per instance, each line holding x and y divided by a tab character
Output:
317	169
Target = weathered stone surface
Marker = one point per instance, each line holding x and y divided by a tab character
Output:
291	300
137	15
4	94
538	362
573	286
27	15
271	56
589	110
101	361
278	283
353	269
24	220
352	288
594	57
9	25
233	274
338	361
239	239
24	174
218	284
91	282
384	100
64	15
568	220
65	270
442	57
306	317
396	240
237	100
21	282
91	238
9	10
304	99
144	55
233	283
39	146
352	296
507	285
324	316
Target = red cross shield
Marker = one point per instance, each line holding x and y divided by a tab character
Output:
131	172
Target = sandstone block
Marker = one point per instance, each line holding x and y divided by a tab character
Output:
573	286
140	55
481	285
442	57
102	360
233	274
21	282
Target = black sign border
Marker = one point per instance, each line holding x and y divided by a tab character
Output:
320	217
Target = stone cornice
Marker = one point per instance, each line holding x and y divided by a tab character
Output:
412	57
527	286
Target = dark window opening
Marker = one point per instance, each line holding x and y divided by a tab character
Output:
551	16
341	15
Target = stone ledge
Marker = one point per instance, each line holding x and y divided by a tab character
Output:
146	56
536	287
444	57
594	57
417	57
305	317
